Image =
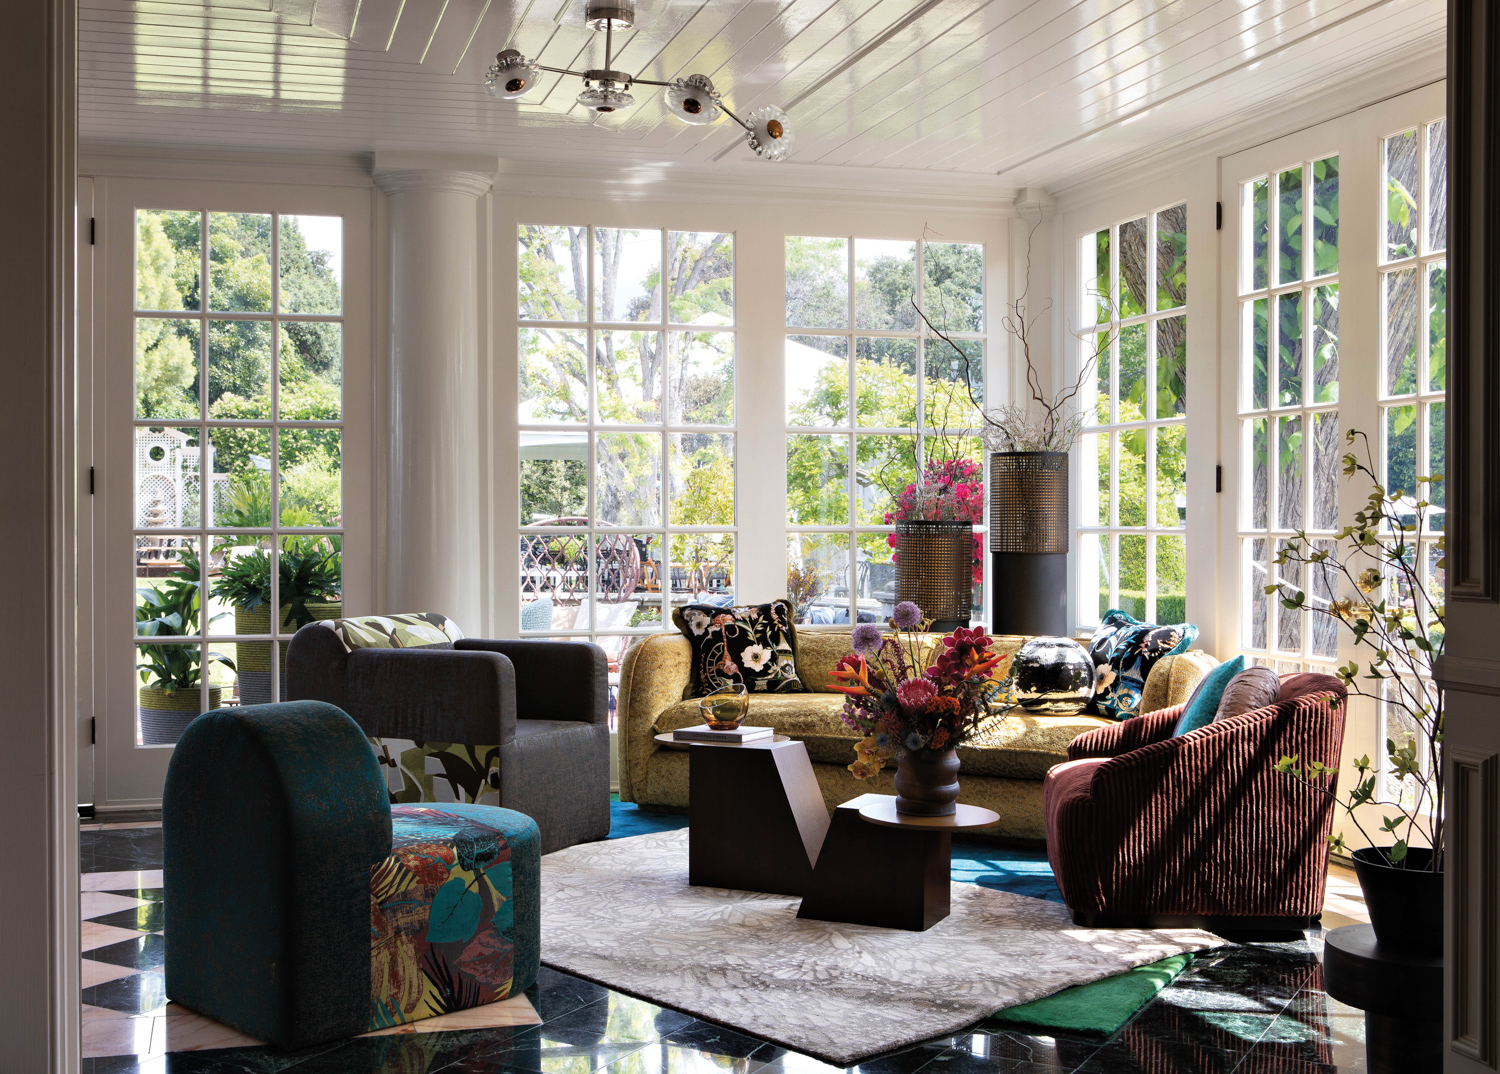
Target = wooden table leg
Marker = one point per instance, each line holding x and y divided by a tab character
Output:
868	874
756	819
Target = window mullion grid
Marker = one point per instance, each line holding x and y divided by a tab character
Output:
1149	413
203	450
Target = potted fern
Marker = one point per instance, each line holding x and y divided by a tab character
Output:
171	674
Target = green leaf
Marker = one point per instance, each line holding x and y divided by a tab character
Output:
1397	853
455	912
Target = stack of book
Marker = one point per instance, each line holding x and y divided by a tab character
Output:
708	734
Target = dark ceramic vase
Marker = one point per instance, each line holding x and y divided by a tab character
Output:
1053	677
927	783
1405	904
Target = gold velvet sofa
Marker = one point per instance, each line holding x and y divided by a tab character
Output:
1002	771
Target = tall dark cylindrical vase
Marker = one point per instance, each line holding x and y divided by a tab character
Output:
1029	542
935	570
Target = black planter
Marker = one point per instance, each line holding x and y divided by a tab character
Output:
1405	904
1029	542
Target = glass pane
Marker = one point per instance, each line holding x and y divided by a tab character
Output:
166	368
885	283
702	568
1099	286
239	262
1171	367
701	277
1171	580
884	465
817	480
955	383
223	680
817	381
702	479
554	375
1436	590
1325	225
1133	267
1437	328
1289	474
700	378
1402	217
953	285
1323	586
1131	404
553	279
312	479
1437	185
1325	329
627	479
554	478
875	577
1171	477
628	593
239	594
1259	330
1403	304
1258	214
885	383
168	259
239	369
627	274
1289	231
817	282
1289	349
1132	477
312	264
1260	482
241	478
1254	603
1171	258
1093	578
166	477
1094	461
311	370
1401	458
1101	346
1132	595
168	598
1437	454
1326	469
627	376
1288	621
817	576
554	581
167	691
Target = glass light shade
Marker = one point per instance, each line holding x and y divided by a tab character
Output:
770	133
511	77
598	99
691	100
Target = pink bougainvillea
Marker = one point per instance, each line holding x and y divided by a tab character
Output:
952	490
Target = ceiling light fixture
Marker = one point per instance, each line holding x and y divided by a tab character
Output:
692	99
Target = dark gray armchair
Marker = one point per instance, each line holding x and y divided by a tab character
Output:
518	724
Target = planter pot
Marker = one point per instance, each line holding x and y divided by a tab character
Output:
935	570
1029	542
1406	905
927	783
253	658
164	717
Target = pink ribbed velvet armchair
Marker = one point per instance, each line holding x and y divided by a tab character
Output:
1146	830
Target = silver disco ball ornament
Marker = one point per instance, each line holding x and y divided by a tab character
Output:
1053	677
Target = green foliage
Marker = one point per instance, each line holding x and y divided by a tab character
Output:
310	569
170	609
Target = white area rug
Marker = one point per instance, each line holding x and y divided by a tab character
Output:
621	913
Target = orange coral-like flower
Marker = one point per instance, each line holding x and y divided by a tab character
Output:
853	670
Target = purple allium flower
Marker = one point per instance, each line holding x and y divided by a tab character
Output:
867	638
907	615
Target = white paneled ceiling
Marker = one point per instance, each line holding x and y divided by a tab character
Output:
1030	91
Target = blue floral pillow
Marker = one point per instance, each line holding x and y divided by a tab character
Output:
1124	651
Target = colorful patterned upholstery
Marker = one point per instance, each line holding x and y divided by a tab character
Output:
406	630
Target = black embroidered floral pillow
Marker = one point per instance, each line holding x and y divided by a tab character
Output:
755	645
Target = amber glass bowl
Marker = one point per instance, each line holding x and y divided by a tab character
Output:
725	708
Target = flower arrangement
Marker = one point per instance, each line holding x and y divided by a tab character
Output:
950	490
904	692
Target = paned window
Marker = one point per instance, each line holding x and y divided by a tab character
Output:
872	401
238	453
1290	445
1132	516
627	429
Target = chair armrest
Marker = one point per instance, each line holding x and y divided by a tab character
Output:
1127	735
316	664
653	675
433	695
555	680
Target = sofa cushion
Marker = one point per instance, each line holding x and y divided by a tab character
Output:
1173	680
819	651
1254	688
754	645
1204	704
1309	682
1023	746
1124	651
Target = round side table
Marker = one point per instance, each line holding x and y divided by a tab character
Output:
1401	995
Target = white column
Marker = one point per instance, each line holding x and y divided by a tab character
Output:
433	507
